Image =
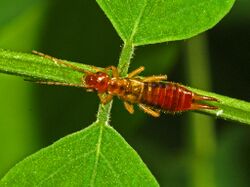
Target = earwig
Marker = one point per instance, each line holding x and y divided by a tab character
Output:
152	94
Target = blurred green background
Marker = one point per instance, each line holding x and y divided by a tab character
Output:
181	150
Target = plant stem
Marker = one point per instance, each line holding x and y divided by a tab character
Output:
103	114
202	132
124	61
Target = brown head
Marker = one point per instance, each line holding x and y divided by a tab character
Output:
97	81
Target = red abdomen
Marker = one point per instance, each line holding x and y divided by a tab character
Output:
170	97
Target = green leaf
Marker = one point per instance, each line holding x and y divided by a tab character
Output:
229	108
96	156
36	67
32	66
153	21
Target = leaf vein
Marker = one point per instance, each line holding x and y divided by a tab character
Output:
97	157
111	167
137	22
67	163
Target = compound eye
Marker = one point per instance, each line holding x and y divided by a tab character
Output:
90	80
99	73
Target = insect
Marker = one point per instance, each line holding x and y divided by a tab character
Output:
152	94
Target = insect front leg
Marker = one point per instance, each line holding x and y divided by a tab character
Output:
148	110
129	107
105	98
115	72
136	72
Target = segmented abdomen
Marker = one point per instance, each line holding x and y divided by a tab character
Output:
170	97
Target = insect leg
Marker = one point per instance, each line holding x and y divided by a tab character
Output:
59	61
105	98
115	72
157	78
149	111
136	72
129	107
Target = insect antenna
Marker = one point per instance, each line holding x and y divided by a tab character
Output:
60	84
61	62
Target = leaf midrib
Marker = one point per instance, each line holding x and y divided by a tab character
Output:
137	22
97	157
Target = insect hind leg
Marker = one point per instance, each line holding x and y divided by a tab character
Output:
148	110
